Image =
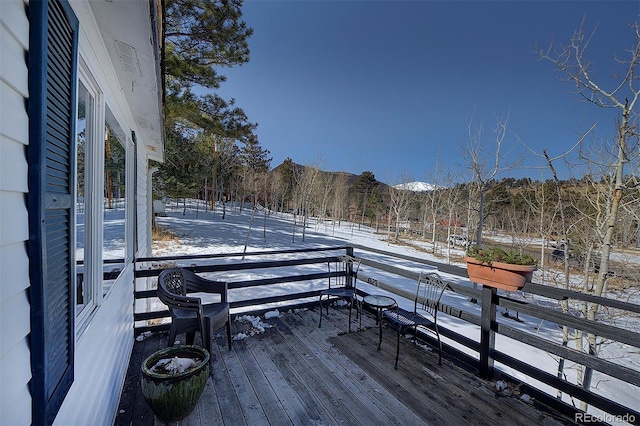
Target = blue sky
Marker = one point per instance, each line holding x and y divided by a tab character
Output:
389	86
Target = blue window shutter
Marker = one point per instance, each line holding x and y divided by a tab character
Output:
53	51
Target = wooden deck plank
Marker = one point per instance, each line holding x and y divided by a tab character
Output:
329	395
480	402
419	371
377	364
270	404
448	403
385	406
207	411
361	348
313	409
286	395
241	384
342	394
461	398
228	402
141	412
296	373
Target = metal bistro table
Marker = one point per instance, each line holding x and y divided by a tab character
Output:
379	302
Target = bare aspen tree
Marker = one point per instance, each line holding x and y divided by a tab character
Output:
297	194
400	196
452	206
484	166
565	229
539	202
430	206
305	183
630	218
560	208
327	184
319	196
277	193
623	93
274	189
635	183
265	179
340	196
564	304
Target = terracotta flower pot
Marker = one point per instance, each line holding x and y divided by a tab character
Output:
499	275
173	396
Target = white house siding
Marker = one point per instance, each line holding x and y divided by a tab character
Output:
15	367
104	348
144	205
102	357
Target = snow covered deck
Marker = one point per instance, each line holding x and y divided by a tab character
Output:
297	373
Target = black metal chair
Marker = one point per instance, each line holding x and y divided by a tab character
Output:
429	292
344	287
188	314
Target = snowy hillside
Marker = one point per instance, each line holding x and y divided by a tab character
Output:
416	186
204	232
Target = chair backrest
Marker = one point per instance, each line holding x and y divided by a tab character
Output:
172	280
429	292
196	284
172	290
346	271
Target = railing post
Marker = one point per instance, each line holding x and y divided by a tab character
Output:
487	330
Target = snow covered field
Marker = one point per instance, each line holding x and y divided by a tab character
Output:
205	232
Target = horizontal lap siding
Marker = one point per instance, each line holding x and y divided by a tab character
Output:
15	368
103	350
102	356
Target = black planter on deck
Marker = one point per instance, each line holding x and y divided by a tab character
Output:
174	396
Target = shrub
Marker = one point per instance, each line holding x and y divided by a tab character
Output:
495	254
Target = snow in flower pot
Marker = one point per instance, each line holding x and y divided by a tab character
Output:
497	268
173	380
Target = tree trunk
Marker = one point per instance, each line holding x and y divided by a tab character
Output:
623	133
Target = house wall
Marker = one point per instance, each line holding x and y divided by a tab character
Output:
15	367
103	348
102	357
144	206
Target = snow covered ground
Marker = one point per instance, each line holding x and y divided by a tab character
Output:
205	232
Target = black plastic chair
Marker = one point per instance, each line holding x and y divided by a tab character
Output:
344	287
188	314
429	291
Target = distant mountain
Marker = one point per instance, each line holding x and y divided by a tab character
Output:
351	178
416	186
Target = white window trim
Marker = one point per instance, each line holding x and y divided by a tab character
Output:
94	161
129	202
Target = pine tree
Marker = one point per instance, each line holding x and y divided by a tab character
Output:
201	37
254	156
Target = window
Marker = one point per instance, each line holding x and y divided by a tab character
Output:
115	204
101	202
85	147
